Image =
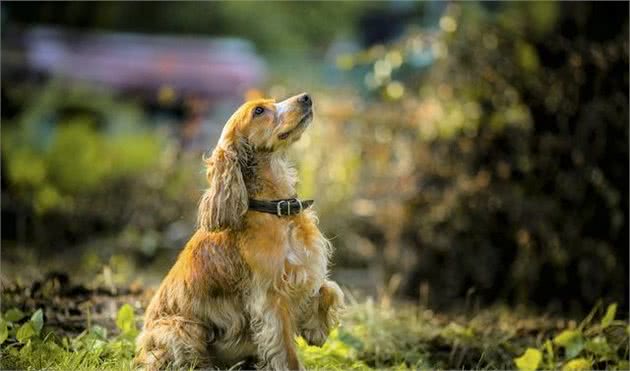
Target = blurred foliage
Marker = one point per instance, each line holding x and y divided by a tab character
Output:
592	345
79	161
485	161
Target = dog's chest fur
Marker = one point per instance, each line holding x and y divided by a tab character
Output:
306	256
289	257
290	253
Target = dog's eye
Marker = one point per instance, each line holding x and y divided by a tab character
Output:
258	111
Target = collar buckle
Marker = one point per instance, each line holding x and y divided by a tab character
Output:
288	202
279	207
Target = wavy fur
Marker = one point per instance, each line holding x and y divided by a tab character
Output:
247	282
224	203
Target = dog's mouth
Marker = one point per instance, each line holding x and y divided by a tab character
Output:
305	120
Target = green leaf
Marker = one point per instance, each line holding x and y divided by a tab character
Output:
97	344
577	364
4	331
125	320
566	337
598	346
527	56
610	315
37	320
572	342
572	350
27	350
549	347
529	361
550	353
99	331
14	315
25	332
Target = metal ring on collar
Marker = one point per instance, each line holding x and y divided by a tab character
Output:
279	207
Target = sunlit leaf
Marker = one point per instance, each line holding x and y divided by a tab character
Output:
598	345
527	56
125	320
572	342
27	349
577	364
529	361
37	321
549	350
610	315
4	331
25	332
14	315
99	332
574	349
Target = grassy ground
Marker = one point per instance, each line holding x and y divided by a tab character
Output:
94	329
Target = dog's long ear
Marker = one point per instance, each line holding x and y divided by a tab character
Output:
225	201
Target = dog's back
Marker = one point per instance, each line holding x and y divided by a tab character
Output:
198	306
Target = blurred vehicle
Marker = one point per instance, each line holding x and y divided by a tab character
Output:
208	67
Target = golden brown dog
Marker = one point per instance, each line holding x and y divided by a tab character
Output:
247	281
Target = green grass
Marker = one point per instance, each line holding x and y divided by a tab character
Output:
27	344
372	336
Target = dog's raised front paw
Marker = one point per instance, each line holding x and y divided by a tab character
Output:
316	337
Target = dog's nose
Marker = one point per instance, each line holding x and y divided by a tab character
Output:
305	100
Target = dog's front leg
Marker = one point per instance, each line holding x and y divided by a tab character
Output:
273	330
322	314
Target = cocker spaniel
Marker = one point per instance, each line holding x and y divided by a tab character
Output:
254	274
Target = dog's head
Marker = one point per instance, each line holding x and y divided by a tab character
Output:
257	126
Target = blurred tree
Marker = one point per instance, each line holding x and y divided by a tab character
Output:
496	154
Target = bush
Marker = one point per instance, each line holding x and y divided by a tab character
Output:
487	161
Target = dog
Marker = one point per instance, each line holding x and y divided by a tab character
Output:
255	273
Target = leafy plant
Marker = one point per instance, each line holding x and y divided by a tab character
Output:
26	346
583	346
529	361
126	321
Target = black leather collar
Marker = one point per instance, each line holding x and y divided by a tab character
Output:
284	207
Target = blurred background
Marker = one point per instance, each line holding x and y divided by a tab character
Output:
462	154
